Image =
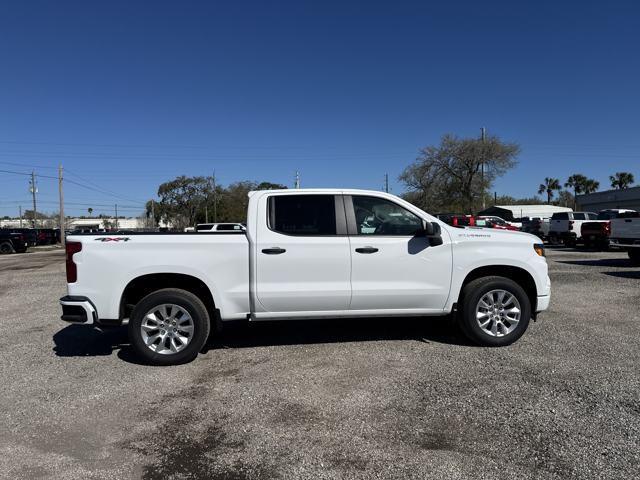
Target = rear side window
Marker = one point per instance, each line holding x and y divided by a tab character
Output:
560	216
579	216
303	214
594	216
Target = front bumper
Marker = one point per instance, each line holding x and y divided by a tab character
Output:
543	303
77	309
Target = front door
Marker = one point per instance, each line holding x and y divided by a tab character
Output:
392	268
302	257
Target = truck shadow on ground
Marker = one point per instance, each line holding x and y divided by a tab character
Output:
603	262
87	341
635	275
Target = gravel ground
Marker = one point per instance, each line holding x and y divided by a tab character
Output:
399	398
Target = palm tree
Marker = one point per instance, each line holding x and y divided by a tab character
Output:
591	185
549	185
621	180
576	181
90	210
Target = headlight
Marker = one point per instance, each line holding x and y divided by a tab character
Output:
539	248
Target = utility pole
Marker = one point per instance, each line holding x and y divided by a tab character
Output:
482	167
215	199
297	180
116	216
20	209
61	194
386	182
34	190
153	214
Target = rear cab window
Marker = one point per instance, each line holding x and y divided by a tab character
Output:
560	216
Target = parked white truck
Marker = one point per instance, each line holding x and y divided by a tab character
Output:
306	254
625	234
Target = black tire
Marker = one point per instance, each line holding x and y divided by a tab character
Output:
6	247
634	256
471	295
187	300
570	242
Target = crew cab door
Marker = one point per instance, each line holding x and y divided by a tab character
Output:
303	261
391	267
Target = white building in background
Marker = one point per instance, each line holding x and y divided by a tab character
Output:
511	212
73	223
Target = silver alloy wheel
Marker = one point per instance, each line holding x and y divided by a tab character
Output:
167	329
498	313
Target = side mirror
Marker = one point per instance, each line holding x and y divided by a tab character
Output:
429	229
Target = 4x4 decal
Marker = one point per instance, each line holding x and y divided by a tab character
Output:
113	239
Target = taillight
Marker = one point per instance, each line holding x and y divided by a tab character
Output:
570	224
472	221
607	228
72	269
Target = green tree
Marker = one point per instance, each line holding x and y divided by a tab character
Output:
581	185
591	186
90	210
182	200
448	176
621	180
549	186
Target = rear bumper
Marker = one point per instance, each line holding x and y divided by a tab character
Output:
77	309
624	242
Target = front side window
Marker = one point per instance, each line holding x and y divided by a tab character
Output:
579	216
303	214
377	216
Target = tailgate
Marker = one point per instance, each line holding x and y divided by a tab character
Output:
625	227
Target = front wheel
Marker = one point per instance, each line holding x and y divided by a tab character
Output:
495	311
169	327
6	247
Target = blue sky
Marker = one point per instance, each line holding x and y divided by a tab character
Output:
129	94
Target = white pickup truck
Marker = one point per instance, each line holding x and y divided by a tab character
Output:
625	234
306	254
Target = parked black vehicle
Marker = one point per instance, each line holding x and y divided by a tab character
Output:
30	234
11	242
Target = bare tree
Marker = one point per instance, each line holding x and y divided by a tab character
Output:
449	175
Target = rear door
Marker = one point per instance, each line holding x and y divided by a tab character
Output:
303	262
392	268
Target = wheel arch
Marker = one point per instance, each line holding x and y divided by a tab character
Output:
143	285
519	275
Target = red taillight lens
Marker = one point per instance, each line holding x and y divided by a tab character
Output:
570	224
72	270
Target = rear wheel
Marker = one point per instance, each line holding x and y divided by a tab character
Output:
169	327
6	247
495	311
634	256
